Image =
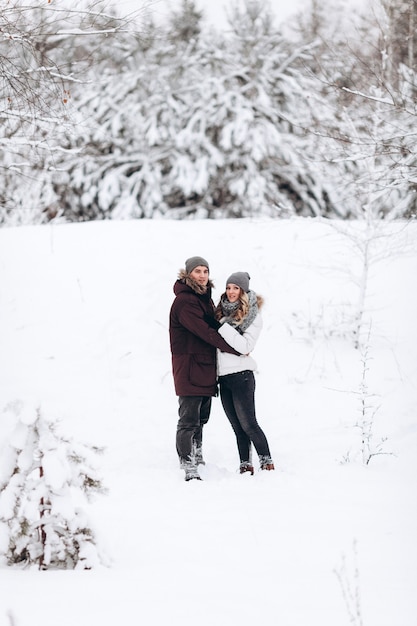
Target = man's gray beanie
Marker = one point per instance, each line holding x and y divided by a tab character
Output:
241	279
194	262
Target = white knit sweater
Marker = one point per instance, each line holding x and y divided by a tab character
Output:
230	363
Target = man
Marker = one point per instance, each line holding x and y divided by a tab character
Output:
193	348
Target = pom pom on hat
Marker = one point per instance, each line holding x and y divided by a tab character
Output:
194	262
241	279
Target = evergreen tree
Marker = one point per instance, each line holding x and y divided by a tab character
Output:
270	170
42	476
185	24
205	127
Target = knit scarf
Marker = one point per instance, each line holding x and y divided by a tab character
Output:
229	308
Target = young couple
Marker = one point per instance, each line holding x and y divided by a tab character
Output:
212	345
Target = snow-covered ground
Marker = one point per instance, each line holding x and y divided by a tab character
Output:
84	335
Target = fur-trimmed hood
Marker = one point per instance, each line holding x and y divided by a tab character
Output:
260	301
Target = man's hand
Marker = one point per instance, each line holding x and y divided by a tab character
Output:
212	322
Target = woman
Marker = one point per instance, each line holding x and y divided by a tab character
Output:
240	324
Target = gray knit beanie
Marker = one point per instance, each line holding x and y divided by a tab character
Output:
194	262
241	279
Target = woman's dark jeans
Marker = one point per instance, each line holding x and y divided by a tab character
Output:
237	393
194	413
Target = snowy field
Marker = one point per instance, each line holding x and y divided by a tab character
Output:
84	336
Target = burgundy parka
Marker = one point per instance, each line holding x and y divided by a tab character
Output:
194	342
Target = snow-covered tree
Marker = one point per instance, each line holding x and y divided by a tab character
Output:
45	481
183	121
399	36
264	105
204	127
365	125
186	22
45	50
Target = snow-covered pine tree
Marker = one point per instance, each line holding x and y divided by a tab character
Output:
263	105
204	127
44	480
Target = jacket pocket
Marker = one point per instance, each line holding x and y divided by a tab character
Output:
202	371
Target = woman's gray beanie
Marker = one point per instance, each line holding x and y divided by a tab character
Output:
241	279
194	262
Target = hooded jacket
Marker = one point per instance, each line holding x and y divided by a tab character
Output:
193	342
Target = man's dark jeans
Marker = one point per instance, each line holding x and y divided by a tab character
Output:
194	412
237	393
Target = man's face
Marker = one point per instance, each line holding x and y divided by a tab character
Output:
200	274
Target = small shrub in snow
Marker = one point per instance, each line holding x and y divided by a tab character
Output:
44	477
368	408
350	587
327	321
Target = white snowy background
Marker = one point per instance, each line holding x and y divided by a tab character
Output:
84	336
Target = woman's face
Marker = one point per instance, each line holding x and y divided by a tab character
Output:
232	292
